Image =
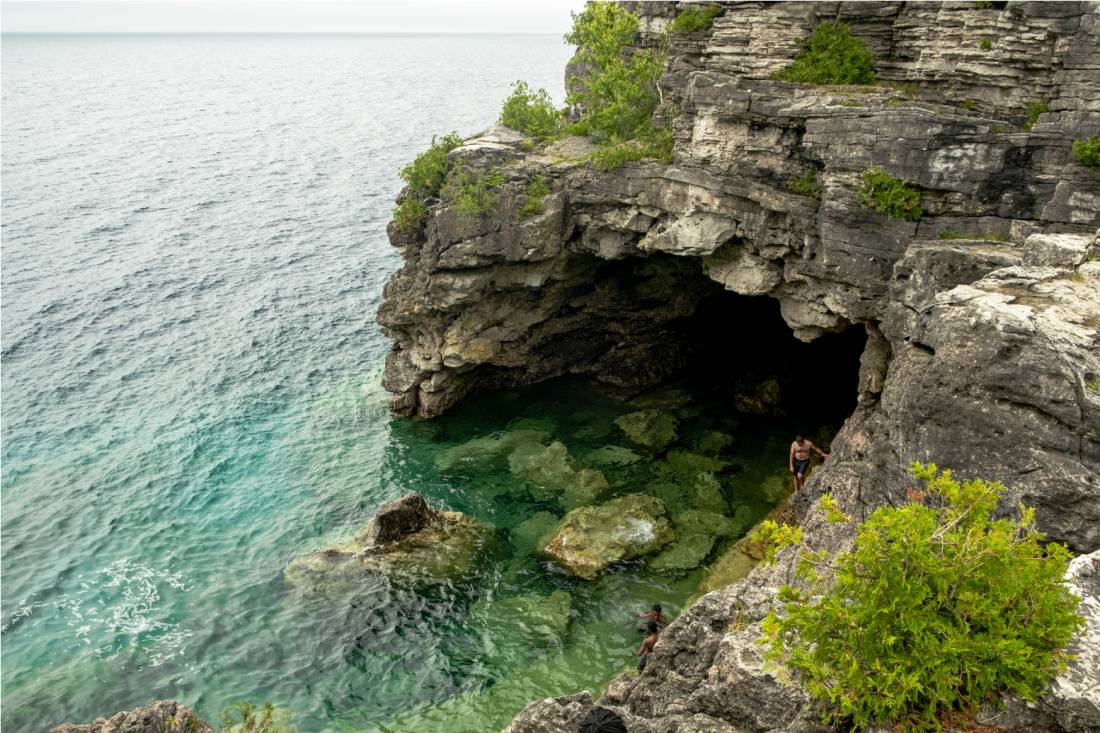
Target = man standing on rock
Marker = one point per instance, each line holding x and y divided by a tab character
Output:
800	459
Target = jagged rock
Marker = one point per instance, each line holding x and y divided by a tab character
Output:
397	519
651	429
162	716
590	538
419	543
762	398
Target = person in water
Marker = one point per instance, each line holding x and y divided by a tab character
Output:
800	459
647	646
655	615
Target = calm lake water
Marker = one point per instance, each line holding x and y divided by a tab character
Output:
193	252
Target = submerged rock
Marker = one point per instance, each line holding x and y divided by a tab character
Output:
162	716
550	475
546	617
590	538
488	448
612	455
651	429
687	552
529	534
407	539
713	442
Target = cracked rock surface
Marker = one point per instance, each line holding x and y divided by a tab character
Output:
982	319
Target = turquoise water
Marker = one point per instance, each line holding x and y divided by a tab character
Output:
194	249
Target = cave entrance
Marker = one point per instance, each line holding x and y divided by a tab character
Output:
742	356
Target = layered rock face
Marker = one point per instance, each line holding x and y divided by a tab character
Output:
982	319
162	716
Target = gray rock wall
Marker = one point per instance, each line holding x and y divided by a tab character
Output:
983	353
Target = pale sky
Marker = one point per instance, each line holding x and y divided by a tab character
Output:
301	16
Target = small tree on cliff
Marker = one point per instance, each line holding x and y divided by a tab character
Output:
937	607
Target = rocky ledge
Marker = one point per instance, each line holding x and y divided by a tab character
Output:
981	320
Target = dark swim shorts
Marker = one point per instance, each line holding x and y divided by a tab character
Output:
801	466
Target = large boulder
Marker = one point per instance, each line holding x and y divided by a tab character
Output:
162	716
591	538
407	539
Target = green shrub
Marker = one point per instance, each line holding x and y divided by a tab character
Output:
696	19
617	96
831	55
410	214
967	104
805	185
654	143
983	5
985	44
537	190
1087	151
888	195
937	607
1093	385
530	112
1034	109
425	175
474	192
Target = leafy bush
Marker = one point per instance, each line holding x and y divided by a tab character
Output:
425	175
618	95
537	190
1087	151
655	143
888	195
473	191
985	44
831	55
696	19
530	112
410	214
805	185
937	607
1034	109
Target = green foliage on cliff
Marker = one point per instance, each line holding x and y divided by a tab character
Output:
410	214
888	195
831	55
937	607
474	192
985	44
531	112
655	144
696	19
537	190
425	175
1087	151
1034	109
805	185
618	92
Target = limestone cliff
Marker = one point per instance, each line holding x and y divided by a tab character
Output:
982	318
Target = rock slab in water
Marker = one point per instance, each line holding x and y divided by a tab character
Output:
420	542
652	429
162	716
590	538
